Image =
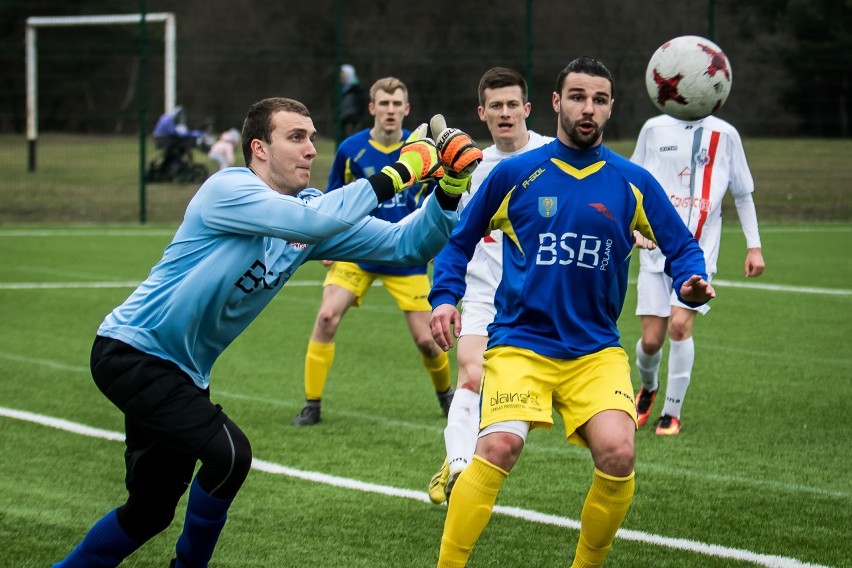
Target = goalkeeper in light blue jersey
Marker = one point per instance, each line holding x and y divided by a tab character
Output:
567	211
244	234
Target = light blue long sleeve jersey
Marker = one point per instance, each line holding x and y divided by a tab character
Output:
567	218
239	243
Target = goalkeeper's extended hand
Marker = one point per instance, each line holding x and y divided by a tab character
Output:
418	158
459	156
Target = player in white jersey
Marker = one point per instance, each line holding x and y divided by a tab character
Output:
696	162
244	233
503	107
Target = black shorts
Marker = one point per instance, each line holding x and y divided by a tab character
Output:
160	402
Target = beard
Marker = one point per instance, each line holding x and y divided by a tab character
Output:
578	138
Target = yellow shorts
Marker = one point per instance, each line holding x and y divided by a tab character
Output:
519	384
411	292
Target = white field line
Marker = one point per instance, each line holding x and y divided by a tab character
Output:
567	450
64	233
781	288
697	547
133	284
67	425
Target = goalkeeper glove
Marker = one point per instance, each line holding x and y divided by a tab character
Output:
459	156
418	161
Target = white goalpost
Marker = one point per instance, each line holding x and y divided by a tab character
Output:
35	22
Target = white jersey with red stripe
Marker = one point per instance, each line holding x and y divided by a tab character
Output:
696	162
485	269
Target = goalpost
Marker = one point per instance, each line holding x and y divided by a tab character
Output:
35	22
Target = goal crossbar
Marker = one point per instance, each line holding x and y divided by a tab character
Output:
35	22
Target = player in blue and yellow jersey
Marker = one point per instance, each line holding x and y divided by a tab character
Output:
244	233
567	211
346	284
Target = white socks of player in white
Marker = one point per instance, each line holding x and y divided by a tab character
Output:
462	429
681	358
648	366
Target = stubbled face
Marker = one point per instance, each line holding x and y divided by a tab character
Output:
583	108
388	110
504	112
290	153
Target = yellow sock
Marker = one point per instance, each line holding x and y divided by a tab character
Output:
439	370
603	512
317	363
469	511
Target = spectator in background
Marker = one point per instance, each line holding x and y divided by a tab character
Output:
352	103
222	151
175	140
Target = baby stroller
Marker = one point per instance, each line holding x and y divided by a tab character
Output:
175	141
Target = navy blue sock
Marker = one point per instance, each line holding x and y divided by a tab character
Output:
105	545
205	517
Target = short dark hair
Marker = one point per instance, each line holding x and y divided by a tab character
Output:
258	123
588	66
499	77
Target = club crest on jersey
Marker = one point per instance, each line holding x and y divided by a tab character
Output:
299	246
702	158
547	206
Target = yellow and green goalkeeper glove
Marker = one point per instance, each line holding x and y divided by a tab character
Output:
419	157
459	156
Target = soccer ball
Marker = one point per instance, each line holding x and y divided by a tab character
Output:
688	77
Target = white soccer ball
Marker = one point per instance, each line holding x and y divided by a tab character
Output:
688	77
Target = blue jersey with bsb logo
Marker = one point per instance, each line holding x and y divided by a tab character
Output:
239	243
359	157
568	218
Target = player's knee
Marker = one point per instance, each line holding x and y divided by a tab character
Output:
226	461
616	459
680	325
327	322
240	462
243	458
427	346
142	519
471	383
651	345
680	331
470	376
500	448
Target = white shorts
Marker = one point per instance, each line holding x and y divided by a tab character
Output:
476	317
656	297
484	272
